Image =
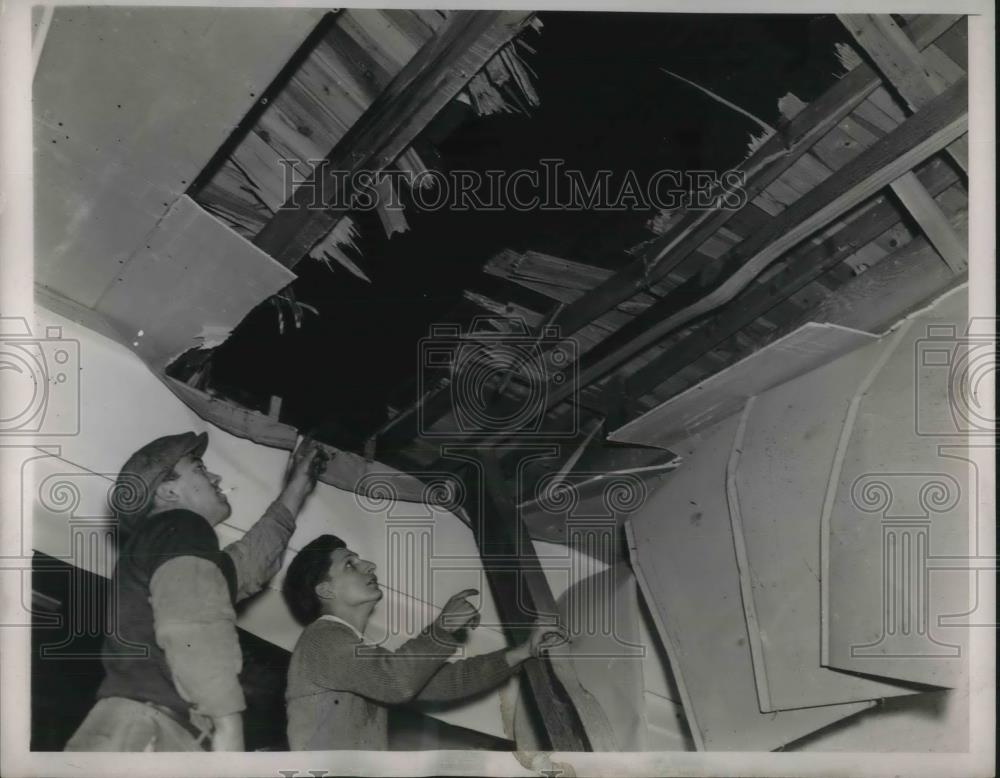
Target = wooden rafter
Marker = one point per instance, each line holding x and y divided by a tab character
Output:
795	137
436	73
922	135
764	167
802	267
904	68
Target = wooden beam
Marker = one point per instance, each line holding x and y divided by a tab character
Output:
902	65
803	266
772	159
933	222
519	590
923	134
438	72
904	68
901	283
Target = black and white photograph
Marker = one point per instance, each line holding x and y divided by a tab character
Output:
555	391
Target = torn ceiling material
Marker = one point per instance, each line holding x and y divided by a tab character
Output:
113	88
358	96
188	286
720	284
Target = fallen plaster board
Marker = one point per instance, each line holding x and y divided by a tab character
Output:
564	568
897	511
125	406
193	280
615	660
601	613
725	392
585	498
933	722
129	106
780	477
681	543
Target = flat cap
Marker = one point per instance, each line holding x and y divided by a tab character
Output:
132	495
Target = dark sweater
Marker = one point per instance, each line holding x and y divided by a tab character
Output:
338	687
135	665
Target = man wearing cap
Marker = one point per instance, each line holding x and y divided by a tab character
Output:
176	591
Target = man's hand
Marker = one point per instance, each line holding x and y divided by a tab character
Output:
458	613
542	638
228	733
545	637
305	465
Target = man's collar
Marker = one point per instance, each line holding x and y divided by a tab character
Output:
331	617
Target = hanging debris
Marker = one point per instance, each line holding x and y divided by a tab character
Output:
290	308
767	127
390	208
505	84
847	56
331	248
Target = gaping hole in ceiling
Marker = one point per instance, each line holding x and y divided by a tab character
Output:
342	353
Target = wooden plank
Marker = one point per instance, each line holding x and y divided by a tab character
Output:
901	63
933	222
763	167
903	282
601	613
955	44
521	593
681	544
904	66
302	55
260	161
372	39
723	394
766	164
921	207
428	81
898	503
779	482
370	76
920	136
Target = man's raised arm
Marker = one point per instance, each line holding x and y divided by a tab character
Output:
257	555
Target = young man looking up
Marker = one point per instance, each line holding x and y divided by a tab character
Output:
176	594
339	687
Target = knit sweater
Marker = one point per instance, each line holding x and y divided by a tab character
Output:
176	594
339	687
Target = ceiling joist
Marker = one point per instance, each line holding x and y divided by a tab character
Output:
433	77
